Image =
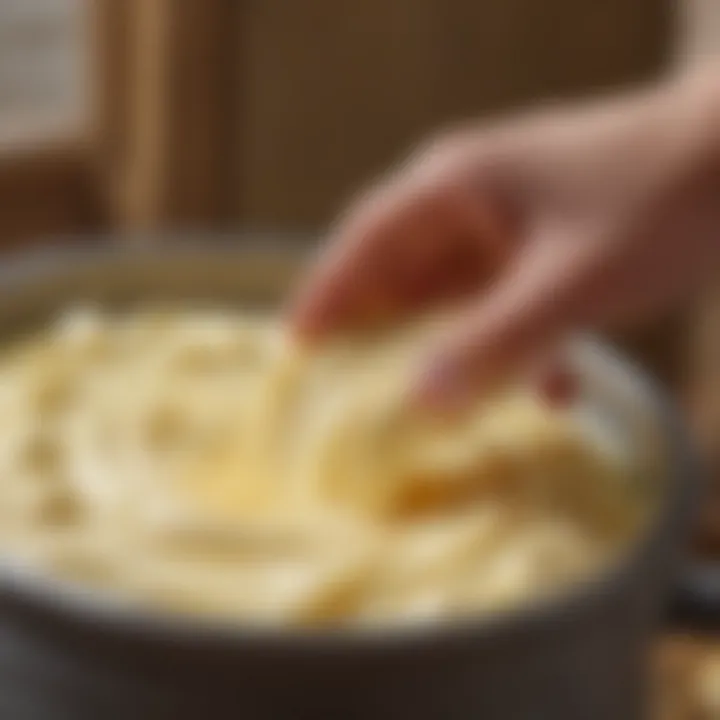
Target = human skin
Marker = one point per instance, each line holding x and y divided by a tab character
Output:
562	219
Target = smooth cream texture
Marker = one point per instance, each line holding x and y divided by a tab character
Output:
198	461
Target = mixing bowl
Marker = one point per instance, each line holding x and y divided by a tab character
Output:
68	653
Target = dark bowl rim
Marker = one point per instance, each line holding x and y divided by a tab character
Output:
72	603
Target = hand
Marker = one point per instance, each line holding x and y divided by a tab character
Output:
560	220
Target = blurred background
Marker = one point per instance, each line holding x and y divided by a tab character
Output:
142	116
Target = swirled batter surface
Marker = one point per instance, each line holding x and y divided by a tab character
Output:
197	461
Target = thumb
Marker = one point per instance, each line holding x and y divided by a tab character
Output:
530	308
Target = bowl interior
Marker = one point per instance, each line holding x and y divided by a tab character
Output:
32	290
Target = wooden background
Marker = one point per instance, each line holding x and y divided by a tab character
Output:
332	91
322	94
271	113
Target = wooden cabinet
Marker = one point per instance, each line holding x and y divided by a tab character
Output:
332	91
270	113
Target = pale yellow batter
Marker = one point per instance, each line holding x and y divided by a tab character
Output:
196	460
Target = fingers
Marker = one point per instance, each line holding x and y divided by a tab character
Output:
431	233
398	256
352	279
530	308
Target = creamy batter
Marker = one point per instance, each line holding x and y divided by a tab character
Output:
197	461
